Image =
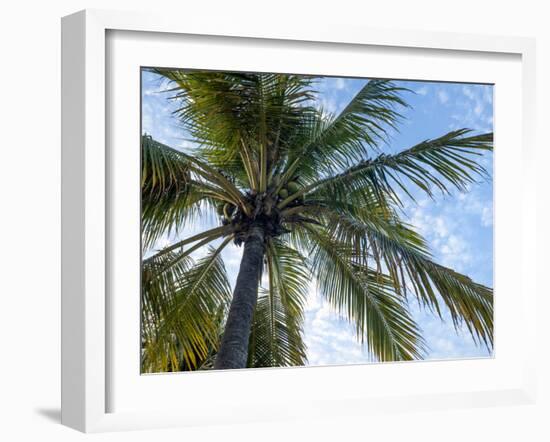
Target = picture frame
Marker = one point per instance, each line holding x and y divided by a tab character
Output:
86	205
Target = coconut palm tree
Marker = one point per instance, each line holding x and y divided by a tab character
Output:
309	196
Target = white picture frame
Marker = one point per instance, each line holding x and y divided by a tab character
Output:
85	307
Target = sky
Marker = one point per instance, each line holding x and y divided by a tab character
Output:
458	228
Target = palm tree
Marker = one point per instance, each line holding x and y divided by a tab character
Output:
309	196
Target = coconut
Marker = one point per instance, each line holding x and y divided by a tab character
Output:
219	208
283	193
293	187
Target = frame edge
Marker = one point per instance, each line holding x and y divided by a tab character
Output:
73	361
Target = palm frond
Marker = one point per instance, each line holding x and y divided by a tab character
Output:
174	192
205	173
276	339
404	253
204	237
167	196
240	122
335	142
366	297
182	310
443	163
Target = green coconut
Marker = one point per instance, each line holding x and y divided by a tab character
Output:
293	187
283	193
219	208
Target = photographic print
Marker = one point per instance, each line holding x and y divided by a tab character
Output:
297	220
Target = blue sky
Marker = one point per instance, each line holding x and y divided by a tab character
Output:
459	228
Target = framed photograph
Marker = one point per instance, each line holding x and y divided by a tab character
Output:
281	223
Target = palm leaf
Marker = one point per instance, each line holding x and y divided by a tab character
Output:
178	189
334	142
443	163
167	197
366	297
396	247
238	121
276	339
182	310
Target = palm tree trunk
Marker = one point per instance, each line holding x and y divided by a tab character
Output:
233	352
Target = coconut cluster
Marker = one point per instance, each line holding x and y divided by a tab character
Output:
265	211
289	189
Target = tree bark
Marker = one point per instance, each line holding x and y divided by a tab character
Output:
233	351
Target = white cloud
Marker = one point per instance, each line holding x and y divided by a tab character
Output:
487	216
455	252
474	109
488	95
440	227
232	255
443	225
422	91
478	109
446	342
328	105
442	96
147	92
471	203
467	90
341	83
330	340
